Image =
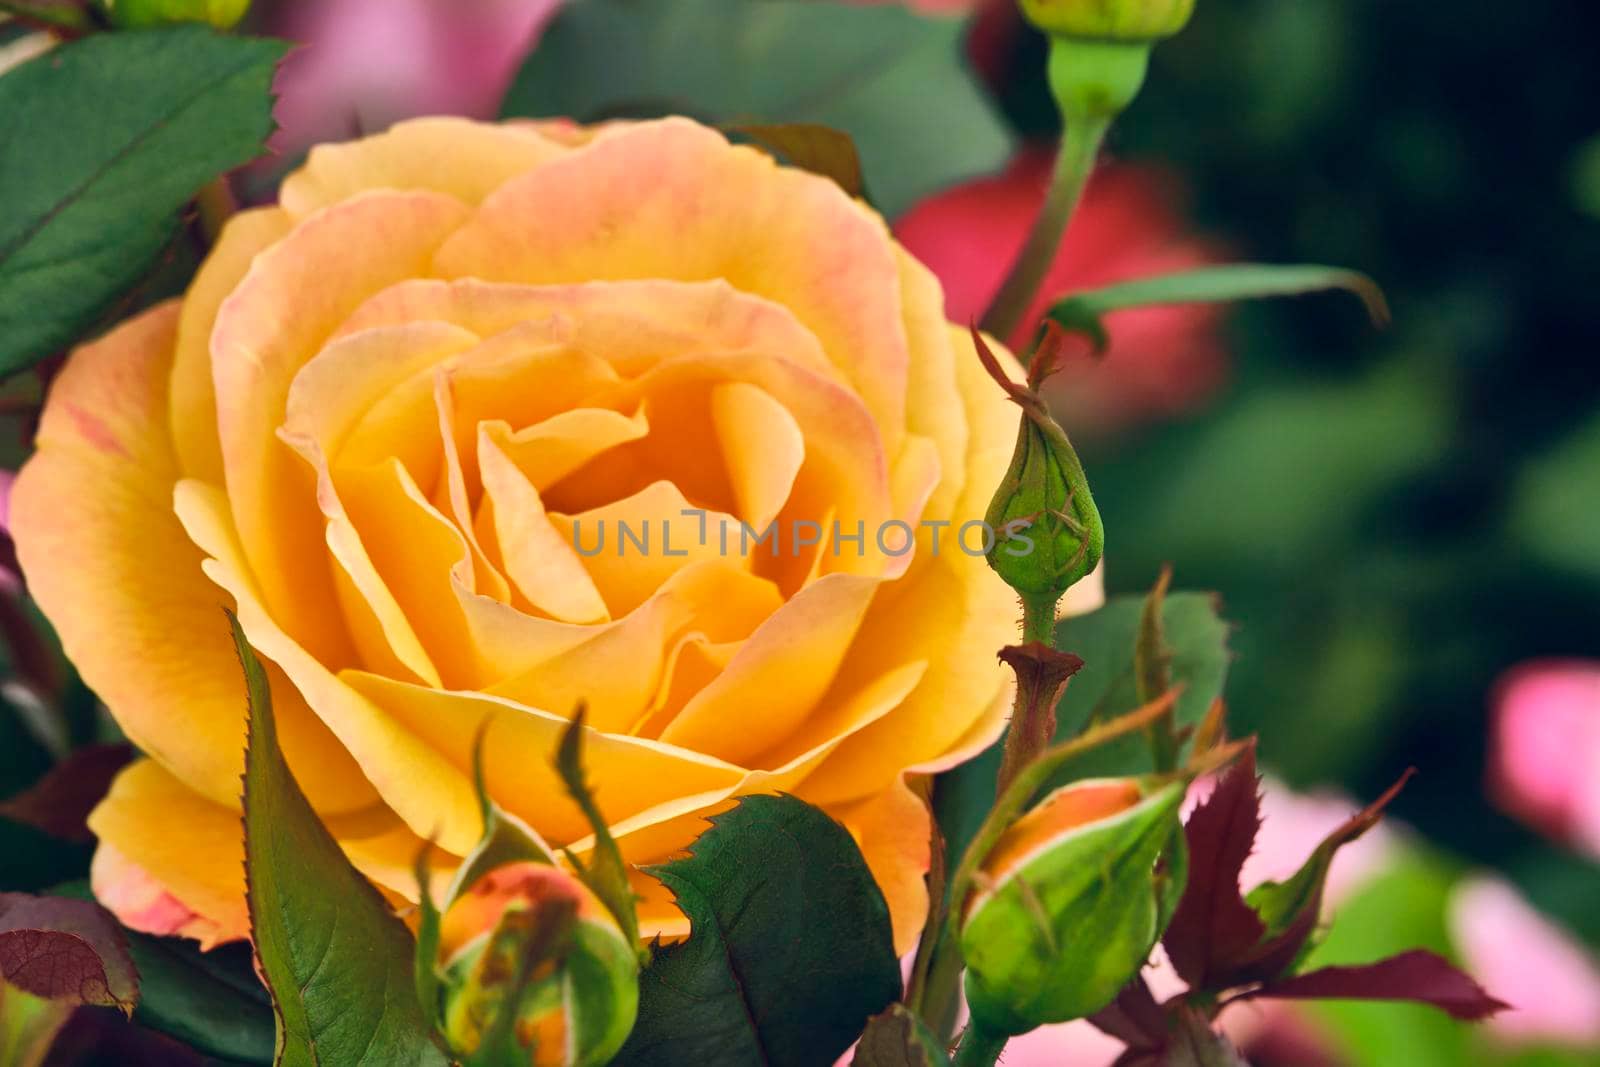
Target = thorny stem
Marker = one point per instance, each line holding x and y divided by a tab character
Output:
1026	736
979	1047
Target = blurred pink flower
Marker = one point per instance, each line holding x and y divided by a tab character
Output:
1551	983
365	64
1162	360
1291	826
1544	753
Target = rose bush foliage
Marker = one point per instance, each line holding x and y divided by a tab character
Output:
374	420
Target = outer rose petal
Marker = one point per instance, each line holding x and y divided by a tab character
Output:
170	861
670	199
468	160
358	247
109	563
893	832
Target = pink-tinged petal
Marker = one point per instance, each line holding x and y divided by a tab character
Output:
466	160
672	199
111	566
1550	981
159	878
1544	754
323	269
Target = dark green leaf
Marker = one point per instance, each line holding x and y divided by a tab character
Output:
101	142
1195	638
897	1038
790	950
890	79
31	859
337	960
1085	312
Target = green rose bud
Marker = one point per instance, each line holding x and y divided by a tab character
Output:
131	14
1115	20
1074	897
530	939
1048	533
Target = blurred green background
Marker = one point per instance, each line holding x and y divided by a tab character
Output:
1393	520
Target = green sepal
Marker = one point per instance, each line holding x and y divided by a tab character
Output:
605	874
506	838
1058	936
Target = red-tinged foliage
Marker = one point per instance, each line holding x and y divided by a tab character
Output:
1213	925
1218	940
66	950
59	803
1134	1018
1418	976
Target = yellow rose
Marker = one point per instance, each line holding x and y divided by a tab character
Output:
385	425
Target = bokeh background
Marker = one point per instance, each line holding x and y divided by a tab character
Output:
1404	525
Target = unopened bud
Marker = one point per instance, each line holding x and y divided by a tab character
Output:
1071	902
131	14
1113	20
1048	533
531	940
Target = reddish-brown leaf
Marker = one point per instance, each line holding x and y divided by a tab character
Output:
1213	925
60	802
65	949
1290	910
1418	976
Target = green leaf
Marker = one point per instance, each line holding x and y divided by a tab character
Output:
337	961
790	950
211	1001
897	1038
101	142
1196	642
606	875
1556	502
852	67
1085	312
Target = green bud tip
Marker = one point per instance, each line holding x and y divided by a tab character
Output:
1048	534
530	939
133	14
1109	20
